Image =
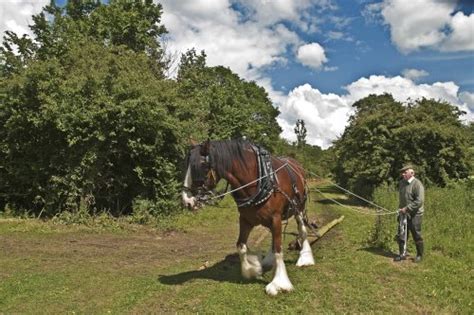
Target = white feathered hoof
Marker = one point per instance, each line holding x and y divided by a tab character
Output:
280	282
306	259
306	256
274	287
251	267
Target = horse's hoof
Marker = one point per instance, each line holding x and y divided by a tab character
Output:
252	267
273	289
306	259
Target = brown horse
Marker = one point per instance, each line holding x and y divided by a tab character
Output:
266	189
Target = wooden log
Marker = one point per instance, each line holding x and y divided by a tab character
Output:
324	229
294	245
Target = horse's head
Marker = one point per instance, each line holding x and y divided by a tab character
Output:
201	176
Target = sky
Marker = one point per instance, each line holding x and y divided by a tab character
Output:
315	58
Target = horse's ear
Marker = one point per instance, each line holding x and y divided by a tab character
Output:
205	147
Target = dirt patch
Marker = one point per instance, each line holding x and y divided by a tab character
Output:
141	248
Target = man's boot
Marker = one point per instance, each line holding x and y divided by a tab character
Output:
401	250
419	251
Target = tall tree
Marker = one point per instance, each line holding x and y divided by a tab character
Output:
300	131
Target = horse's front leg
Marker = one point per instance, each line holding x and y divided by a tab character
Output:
306	254
250	265
280	281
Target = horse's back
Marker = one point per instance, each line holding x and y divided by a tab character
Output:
293	165
293	172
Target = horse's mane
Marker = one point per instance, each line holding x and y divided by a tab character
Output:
223	152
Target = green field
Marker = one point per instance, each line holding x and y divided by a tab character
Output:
191	266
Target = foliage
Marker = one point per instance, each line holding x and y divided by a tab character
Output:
88	122
85	118
95	126
224	106
384	134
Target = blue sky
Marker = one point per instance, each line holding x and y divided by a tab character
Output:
365	48
315	58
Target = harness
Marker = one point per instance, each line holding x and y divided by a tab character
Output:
265	186
269	184
299	199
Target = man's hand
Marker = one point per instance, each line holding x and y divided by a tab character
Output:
403	210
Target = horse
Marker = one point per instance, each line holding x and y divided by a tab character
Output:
267	191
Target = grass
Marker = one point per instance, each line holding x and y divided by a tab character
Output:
186	265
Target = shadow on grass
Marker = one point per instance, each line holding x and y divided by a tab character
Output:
379	251
227	270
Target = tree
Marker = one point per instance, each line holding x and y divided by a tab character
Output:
84	119
87	118
300	131
131	23
216	103
384	134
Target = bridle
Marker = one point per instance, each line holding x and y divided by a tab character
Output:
202	187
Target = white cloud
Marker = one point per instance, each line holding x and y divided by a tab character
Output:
335	35
270	12
439	29
249	42
326	115
311	55
462	36
246	47
402	89
15	15
414	74
467	99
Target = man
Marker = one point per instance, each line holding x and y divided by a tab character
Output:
411	199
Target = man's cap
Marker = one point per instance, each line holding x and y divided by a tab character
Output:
406	167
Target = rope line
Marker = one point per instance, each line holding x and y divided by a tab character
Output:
387	212
378	213
351	193
354	209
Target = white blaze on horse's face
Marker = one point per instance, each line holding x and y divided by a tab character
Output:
188	200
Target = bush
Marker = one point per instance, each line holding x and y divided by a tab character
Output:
95	129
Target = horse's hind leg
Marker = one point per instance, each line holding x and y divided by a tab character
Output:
280	281
250	265
306	254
